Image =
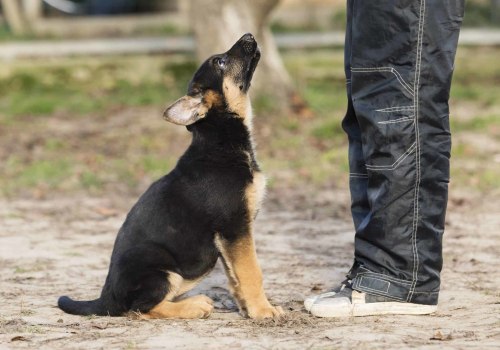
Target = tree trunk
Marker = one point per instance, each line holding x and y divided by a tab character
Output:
13	14
495	11
33	9
217	24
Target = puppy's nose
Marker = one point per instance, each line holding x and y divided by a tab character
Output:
248	37
248	43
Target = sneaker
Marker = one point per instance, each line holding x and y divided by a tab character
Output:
308	302
345	302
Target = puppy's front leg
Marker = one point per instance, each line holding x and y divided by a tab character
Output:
245	276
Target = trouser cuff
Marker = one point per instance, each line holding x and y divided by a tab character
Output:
373	283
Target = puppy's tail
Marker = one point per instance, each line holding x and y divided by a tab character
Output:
91	307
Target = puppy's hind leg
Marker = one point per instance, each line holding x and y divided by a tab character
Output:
199	306
145	283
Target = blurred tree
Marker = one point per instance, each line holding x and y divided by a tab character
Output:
33	9
13	12
495	11
217	24
20	14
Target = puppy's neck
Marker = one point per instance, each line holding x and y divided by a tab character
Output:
223	130
238	102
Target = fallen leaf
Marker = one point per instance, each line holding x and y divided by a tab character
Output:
106	211
438	335
317	287
19	338
98	326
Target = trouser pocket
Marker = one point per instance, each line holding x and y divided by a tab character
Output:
383	101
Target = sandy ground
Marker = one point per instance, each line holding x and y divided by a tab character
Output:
62	245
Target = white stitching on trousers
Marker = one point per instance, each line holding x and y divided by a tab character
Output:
396	163
395	109
417	151
399	120
392	70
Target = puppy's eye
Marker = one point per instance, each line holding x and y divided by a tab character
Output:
221	62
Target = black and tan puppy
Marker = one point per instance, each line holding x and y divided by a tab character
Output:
202	210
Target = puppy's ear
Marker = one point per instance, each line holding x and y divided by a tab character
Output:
186	110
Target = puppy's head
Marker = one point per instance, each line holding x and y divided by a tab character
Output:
221	83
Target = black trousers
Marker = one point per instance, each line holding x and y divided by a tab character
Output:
399	58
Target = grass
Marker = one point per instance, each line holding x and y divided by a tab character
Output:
77	124
329	130
44	172
479	13
82	88
483	123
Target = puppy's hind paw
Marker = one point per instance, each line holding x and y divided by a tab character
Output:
199	306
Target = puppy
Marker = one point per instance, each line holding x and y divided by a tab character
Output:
202	210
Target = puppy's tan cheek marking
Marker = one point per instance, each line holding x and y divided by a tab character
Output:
212	99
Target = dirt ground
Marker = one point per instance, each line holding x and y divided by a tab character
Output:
62	245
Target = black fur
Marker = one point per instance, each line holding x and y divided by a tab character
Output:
172	225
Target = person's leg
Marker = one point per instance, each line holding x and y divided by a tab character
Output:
358	176
401	63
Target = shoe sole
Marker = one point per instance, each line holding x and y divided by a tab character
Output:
372	309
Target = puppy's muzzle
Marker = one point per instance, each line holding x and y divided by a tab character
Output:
249	44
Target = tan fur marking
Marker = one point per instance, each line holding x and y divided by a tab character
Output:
199	306
254	194
187	285
212	99
237	101
221	247
179	285
245	276
175	281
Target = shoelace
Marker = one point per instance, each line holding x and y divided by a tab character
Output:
346	283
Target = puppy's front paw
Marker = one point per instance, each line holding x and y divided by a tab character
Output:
260	312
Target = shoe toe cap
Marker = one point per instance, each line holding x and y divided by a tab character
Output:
309	302
332	307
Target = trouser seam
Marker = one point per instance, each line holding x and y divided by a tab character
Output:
418	63
396	109
392	70
411	118
396	163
